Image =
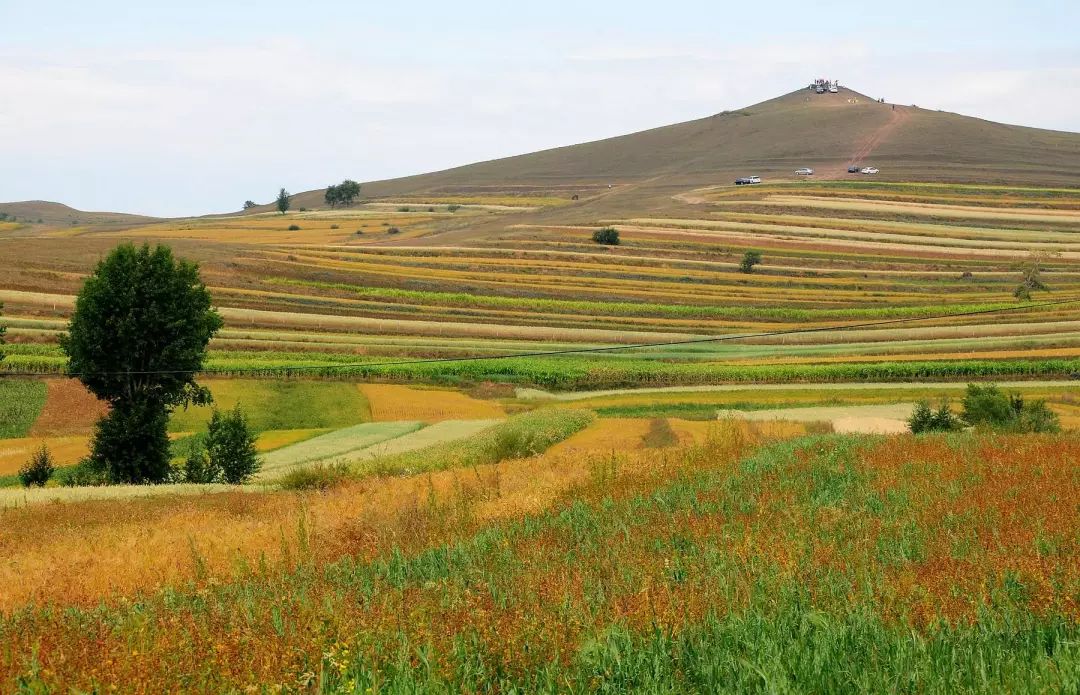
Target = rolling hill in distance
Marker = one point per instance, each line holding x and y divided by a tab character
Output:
643	170
771	139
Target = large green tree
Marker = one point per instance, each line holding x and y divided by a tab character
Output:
136	340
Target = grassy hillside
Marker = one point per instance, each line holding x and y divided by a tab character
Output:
58	214
772	138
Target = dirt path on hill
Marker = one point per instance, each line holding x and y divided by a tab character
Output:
896	118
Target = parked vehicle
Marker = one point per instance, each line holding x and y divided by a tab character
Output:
853	170
805	171
747	180
819	89
833	89
868	170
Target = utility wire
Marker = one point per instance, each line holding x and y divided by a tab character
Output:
581	351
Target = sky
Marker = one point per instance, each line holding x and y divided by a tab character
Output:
190	108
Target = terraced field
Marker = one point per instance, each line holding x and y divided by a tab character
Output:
835	253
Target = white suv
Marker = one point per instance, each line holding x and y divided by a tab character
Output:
805	171
868	170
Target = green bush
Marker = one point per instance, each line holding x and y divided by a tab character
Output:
749	260
39	469
453	208
230	447
393	230
294	227
988	406
198	468
83	474
609	236
926	419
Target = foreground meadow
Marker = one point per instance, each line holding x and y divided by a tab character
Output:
752	562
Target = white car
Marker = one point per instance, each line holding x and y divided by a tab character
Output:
805	171
868	170
833	89
755	179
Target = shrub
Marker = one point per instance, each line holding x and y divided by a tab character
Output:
404	209
431	209
988	406
198	468
317	477
335	226
84	474
38	470
453	208
294	227
248	204
1037	417
608	236
230	445
393	230
749	260
926	419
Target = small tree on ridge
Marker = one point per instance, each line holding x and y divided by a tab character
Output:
282	201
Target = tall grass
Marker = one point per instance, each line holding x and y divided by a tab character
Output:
824	564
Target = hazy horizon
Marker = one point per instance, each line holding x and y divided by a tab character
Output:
178	111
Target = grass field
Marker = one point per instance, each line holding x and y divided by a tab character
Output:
824	563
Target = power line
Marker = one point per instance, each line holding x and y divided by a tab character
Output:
581	351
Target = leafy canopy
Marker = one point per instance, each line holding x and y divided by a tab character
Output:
608	236
344	193
140	329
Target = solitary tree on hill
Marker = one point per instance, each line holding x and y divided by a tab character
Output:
136	340
283	203
248	204
749	260
1031	276
609	236
344	193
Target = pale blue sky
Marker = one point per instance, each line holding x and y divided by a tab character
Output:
187	108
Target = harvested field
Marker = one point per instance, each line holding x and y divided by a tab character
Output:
66	451
69	409
857	419
605	435
389	402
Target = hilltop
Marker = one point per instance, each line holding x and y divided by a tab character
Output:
772	138
58	214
